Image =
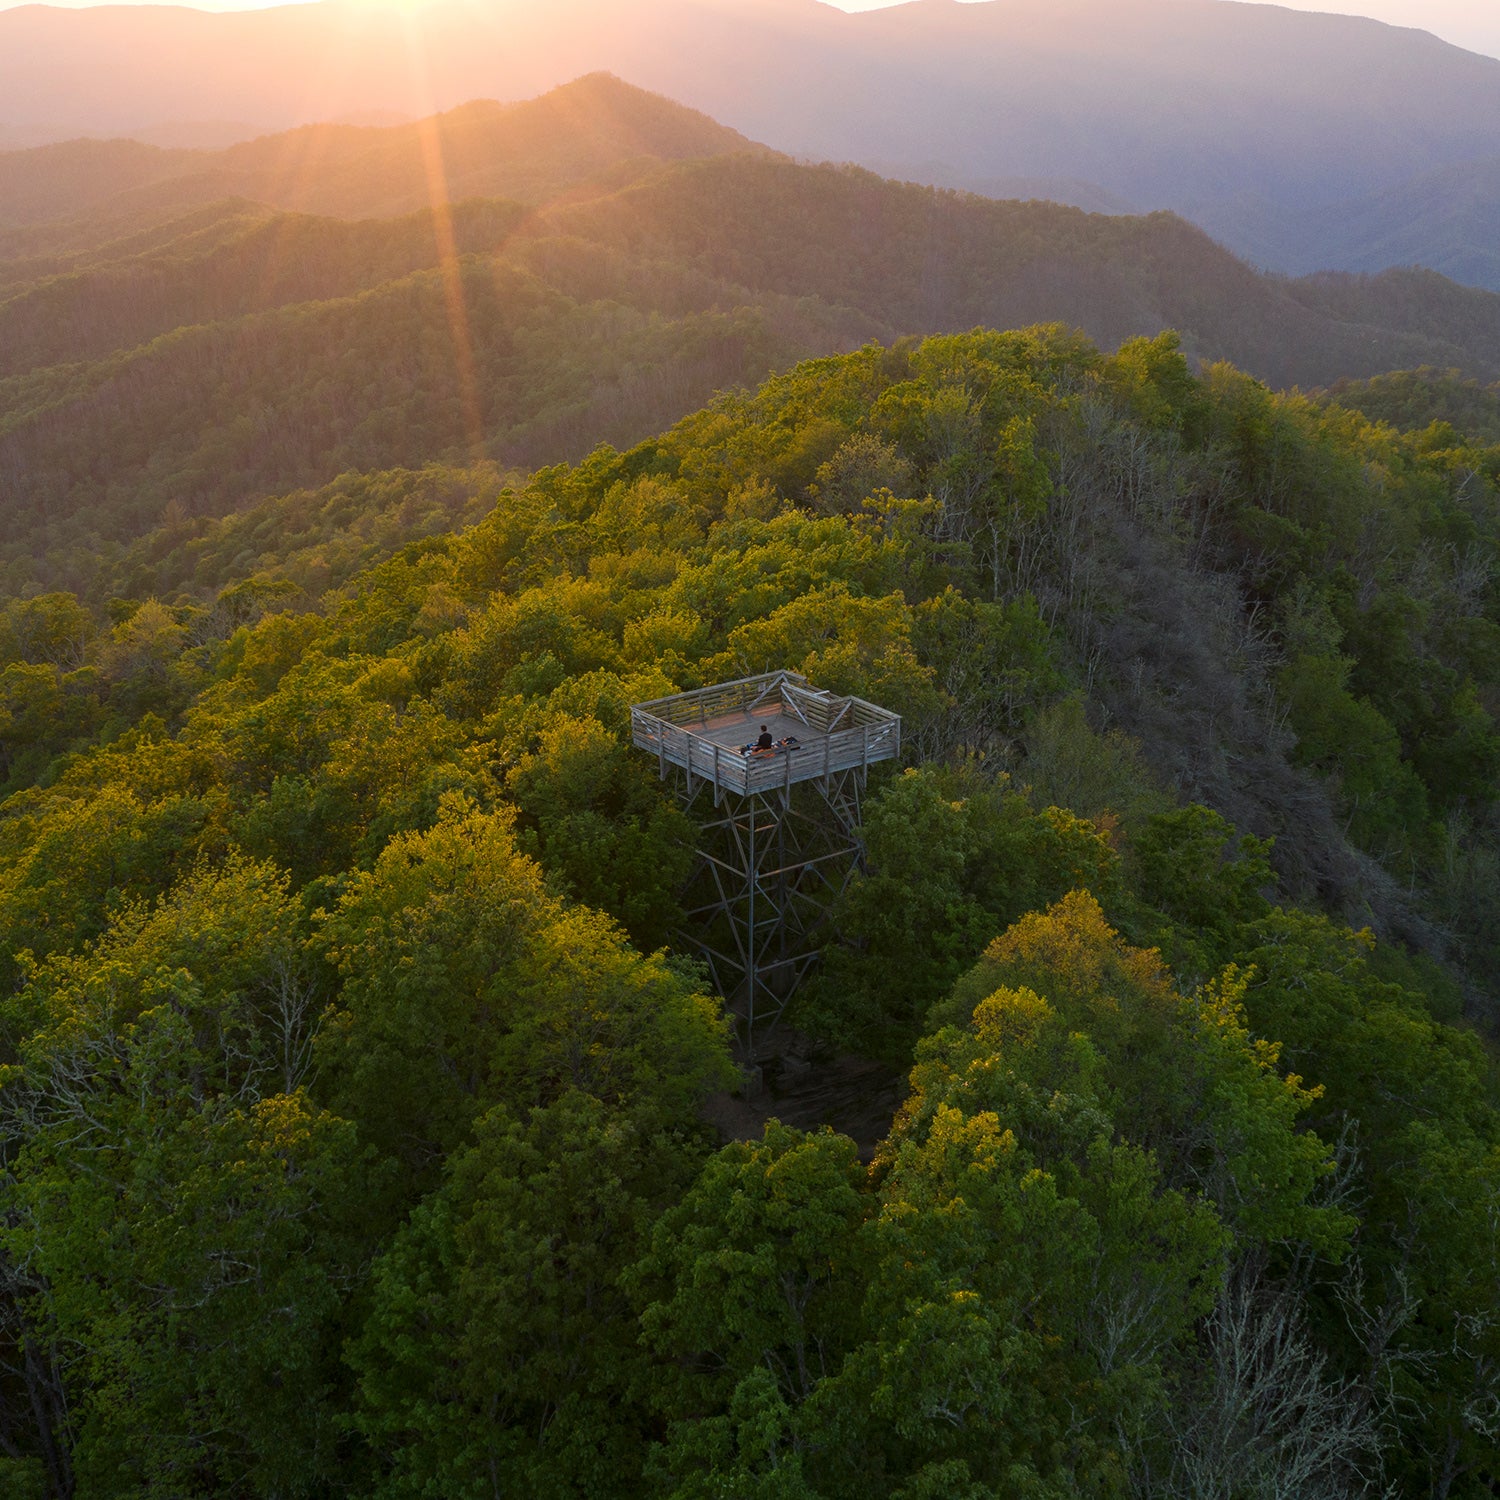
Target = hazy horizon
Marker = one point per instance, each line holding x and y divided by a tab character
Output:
1465	23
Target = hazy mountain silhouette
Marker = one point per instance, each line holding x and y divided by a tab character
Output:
1200	106
1447	220
527	152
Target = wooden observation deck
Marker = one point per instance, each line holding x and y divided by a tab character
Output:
783	839
705	732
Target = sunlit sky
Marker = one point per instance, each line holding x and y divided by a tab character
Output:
1467	23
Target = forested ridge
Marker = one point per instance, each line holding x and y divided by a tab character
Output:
1414	399
353	1101
162	358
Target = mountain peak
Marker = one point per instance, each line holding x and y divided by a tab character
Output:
594	127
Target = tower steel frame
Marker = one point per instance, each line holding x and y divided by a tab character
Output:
771	867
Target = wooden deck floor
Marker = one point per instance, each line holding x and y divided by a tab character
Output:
733	730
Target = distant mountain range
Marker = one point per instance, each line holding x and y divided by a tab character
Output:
523	152
625	259
1301	140
1448	220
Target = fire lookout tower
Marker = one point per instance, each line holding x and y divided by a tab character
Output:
779	822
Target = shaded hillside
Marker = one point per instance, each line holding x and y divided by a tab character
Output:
237	266
922	260
1409	305
204	419
29	256
62	180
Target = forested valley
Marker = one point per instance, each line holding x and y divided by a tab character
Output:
361	1102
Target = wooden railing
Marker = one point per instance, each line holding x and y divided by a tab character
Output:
702	704
845	733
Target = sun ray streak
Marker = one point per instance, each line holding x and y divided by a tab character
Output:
430	138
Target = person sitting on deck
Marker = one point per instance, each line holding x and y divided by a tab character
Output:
765	742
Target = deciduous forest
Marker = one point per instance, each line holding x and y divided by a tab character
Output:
355	1090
